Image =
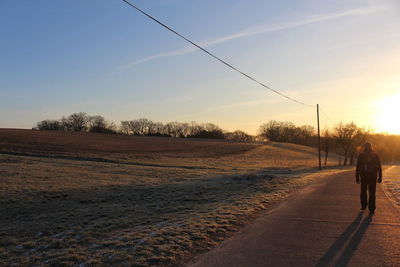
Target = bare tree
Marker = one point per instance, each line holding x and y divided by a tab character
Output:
144	126
78	122
50	125
305	134
270	130
344	135
195	128
238	136
185	129
96	123
158	129
135	127
125	129
359	138
326	135
173	129
66	124
286	132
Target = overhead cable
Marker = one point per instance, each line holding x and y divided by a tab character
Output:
216	57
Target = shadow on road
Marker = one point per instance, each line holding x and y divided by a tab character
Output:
353	243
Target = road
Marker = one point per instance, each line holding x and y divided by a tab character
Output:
319	226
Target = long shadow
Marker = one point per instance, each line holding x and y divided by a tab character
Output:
155	202
340	242
200	192
136	204
354	243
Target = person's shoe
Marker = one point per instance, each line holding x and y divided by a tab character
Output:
371	212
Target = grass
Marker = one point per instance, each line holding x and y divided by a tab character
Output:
391	184
114	203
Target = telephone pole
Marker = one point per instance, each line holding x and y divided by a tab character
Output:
319	140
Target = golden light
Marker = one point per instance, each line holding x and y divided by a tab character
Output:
388	117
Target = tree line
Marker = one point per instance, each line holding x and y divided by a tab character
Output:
345	139
285	131
78	122
82	122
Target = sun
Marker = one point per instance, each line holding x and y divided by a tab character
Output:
388	117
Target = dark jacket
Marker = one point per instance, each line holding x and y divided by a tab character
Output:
368	164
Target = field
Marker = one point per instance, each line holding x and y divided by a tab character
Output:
80	198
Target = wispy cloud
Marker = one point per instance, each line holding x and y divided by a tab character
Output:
228	107
260	29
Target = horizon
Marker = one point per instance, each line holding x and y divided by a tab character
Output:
118	125
104	58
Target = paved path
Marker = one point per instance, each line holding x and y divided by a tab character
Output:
319	226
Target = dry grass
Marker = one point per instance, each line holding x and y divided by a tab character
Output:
391	183
66	199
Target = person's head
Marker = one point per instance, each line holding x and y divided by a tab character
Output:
368	147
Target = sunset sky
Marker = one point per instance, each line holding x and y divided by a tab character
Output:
103	57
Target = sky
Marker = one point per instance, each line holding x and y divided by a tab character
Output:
103	57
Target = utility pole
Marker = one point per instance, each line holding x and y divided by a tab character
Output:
319	140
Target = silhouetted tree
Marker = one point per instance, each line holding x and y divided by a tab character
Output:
238	136
50	125
271	130
208	130
279	131
76	122
359	138
125	129
96	123
344	135
326	137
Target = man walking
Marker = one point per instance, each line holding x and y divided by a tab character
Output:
368	169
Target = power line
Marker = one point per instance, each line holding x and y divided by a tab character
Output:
326	115
216	57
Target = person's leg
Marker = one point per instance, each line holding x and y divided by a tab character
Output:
363	193
371	193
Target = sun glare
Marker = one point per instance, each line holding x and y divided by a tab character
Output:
388	117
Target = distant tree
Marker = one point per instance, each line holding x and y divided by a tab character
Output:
344	135
135	127
195	128
359	138
185	129
279	131
66	124
157	129
326	137
209	130
271	130
50	125
144	126
125	129
305	134
96	123
173	129
238	136
77	122
288	132
151	128
388	146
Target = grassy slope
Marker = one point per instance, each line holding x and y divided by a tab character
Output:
155	201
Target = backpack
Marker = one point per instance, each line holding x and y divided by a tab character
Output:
369	165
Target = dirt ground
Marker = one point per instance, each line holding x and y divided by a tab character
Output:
79	198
